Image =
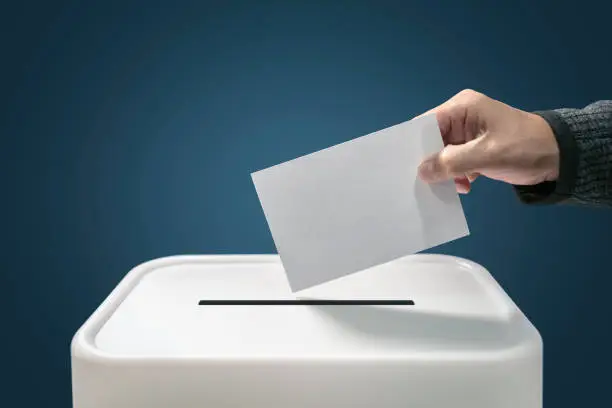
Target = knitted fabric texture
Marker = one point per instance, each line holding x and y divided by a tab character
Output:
584	137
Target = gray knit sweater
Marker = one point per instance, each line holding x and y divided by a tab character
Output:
585	143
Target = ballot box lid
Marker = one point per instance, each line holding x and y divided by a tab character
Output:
241	307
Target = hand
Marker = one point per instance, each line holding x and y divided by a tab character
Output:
486	137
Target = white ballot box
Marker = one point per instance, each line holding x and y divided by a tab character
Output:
423	331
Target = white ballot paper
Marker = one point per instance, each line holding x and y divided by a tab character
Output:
358	204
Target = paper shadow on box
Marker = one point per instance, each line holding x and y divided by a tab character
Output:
193	331
381	318
415	326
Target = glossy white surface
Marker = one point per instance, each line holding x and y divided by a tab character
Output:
456	307
151	345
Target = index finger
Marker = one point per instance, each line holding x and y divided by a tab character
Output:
444	118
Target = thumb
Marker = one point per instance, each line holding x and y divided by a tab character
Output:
453	161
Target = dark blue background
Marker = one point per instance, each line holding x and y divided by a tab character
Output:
129	130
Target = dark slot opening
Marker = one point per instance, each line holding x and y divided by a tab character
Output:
315	302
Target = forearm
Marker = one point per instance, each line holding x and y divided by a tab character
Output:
584	137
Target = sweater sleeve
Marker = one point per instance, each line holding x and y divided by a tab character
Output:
584	137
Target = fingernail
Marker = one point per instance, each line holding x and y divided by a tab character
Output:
461	189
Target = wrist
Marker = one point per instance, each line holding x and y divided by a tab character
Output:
549	153
562	162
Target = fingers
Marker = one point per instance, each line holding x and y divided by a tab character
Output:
472	177
465	153
444	116
454	161
463	185
457	125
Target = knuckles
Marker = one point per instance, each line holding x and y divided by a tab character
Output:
469	95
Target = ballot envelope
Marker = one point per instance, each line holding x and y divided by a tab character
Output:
423	331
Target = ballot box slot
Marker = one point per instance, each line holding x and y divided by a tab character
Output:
307	302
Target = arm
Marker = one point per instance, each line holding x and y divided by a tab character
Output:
562	155
584	137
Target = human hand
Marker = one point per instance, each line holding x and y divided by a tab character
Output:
483	136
